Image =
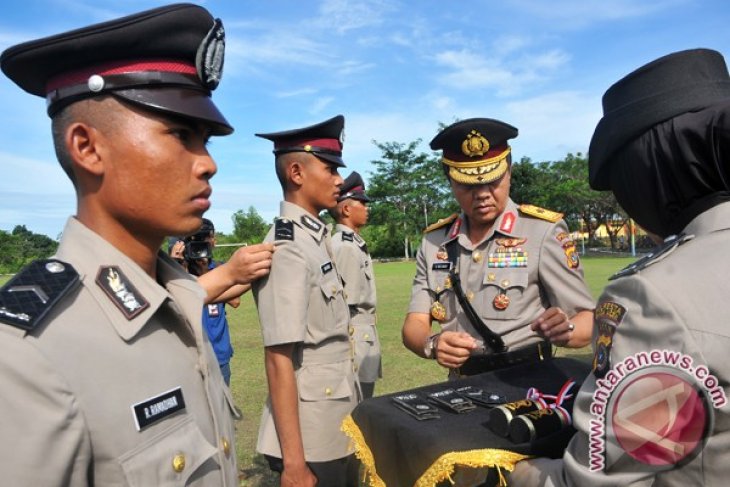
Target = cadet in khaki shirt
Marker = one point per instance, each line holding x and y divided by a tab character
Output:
304	317
107	376
655	411
356	268
517	266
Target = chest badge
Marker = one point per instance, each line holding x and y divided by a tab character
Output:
509	253
438	311
501	301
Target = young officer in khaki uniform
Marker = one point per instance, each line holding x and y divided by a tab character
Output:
304	317
655	411
516	267
356	268
107	376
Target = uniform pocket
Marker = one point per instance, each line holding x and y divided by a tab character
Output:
323	383
505	282
169	458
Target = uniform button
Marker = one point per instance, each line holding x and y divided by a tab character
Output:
334	290
178	462
352	330
505	283
328	391
367	335
476	257
226	446
491	277
470	295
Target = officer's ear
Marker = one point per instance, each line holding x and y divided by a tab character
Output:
346	209
83	143
296	172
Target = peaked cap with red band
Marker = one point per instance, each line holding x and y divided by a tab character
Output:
475	149
353	187
167	59
323	140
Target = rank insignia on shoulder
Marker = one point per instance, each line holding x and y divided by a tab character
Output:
543	214
657	254
29	296
348	237
120	290
283	229
441	223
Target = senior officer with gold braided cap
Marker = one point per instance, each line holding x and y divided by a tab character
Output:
655	410
503	281
107	376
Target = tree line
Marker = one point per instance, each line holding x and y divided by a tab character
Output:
409	191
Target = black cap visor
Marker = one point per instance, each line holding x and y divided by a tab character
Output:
182	102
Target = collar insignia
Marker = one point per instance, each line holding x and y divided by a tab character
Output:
121	291
311	223
508	222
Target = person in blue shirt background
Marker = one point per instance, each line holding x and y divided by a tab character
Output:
198	255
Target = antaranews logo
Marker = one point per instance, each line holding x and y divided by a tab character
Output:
657	407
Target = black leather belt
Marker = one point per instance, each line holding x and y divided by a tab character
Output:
479	364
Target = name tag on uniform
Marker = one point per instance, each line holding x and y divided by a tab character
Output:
441	266
326	267
213	310
159	407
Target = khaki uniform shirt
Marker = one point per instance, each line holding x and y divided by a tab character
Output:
356	268
677	305
69	386
301	301
526	262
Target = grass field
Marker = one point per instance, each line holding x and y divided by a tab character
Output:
401	369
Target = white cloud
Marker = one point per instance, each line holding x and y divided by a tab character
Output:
579	13
343	15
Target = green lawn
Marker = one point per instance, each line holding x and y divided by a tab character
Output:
401	369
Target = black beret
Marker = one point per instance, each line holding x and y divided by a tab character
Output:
475	149
324	140
681	82
167	59
353	187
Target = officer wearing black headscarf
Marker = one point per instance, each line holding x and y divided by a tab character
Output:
654	411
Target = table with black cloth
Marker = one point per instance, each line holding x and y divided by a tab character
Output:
398	450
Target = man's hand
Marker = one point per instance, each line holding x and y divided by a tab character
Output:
554	325
453	348
298	477
250	263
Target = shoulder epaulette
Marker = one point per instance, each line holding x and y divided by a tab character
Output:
29	296
542	213
441	223
654	256
283	229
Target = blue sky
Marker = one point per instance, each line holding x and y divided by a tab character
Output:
394	68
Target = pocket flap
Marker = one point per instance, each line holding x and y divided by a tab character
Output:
169	457
323	385
506	279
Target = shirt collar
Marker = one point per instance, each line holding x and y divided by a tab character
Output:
95	259
305	220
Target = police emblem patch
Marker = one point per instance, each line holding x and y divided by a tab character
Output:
608	317
209	58
121	291
571	253
34	291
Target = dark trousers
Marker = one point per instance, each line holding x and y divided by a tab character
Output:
367	388
335	473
